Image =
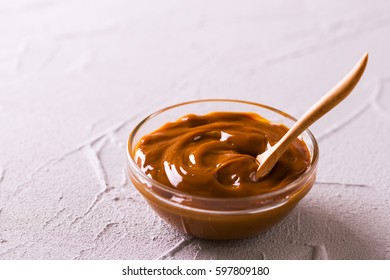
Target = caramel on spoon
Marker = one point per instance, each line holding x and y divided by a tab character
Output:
268	159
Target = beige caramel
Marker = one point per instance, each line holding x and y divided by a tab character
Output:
214	155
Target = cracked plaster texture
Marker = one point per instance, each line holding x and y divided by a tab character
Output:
76	76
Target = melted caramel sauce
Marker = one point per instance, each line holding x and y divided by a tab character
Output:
214	155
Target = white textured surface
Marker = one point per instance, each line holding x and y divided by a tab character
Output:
75	76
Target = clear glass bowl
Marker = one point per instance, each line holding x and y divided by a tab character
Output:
219	218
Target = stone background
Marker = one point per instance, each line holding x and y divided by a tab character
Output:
77	75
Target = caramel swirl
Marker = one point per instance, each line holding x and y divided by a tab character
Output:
214	155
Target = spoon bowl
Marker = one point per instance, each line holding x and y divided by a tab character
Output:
220	218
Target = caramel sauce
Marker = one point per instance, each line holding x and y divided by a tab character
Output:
214	155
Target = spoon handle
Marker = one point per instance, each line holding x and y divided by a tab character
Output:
269	158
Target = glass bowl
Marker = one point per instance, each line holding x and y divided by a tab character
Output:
219	218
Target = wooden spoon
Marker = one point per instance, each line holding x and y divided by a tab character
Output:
268	159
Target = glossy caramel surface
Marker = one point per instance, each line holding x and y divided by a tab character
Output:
214	155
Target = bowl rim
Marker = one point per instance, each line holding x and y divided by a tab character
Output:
294	184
